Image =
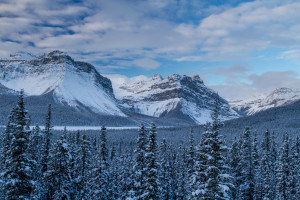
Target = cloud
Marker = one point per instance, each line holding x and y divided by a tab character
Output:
96	27
146	63
127	28
294	54
237	32
128	34
270	80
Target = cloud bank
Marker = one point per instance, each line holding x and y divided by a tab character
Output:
128	34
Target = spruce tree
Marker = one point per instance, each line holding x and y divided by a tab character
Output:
47	136
58	175
5	149
83	168
164	171
235	167
103	146
210	180
246	188
151	181
191	157
139	167
18	166
35	147
265	167
273	166
183	181
256	169
295	171
100	169
284	170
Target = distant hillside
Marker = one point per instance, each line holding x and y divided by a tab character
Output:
283	118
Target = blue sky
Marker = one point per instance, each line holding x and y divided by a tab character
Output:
239	48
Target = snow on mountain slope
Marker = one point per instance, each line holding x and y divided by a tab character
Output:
159	97
278	97
77	84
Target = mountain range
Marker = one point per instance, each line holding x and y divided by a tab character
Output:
276	98
81	96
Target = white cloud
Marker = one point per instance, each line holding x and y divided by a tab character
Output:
241	85
125	28
146	63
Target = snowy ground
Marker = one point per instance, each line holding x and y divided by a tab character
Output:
82	128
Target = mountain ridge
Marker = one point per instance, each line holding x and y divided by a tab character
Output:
158	96
73	83
78	85
278	97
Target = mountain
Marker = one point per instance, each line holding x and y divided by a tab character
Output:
278	97
72	83
175	96
281	119
81	96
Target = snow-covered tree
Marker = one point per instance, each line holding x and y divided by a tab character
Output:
246	189
210	180
83	168
46	144
284	170
164	171
273	166
18	166
140	164
295	171
57	178
151	176
100	169
183	179
265	167
235	167
191	156
256	169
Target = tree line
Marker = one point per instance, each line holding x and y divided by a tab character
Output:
81	166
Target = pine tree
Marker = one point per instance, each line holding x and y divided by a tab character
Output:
164	171
58	175
273	166
103	146
5	149
46	145
295	171
100	170
246	165
256	169
265	167
83	168
18	167
35	146
210	180
284	170
191	157
151	181
182	188
139	167
235	167
173	173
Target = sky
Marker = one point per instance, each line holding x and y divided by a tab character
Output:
239	48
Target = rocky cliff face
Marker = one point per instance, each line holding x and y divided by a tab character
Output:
174	95
278	97
76	84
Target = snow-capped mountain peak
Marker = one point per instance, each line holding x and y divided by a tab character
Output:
278	97
74	83
174	95
157	77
